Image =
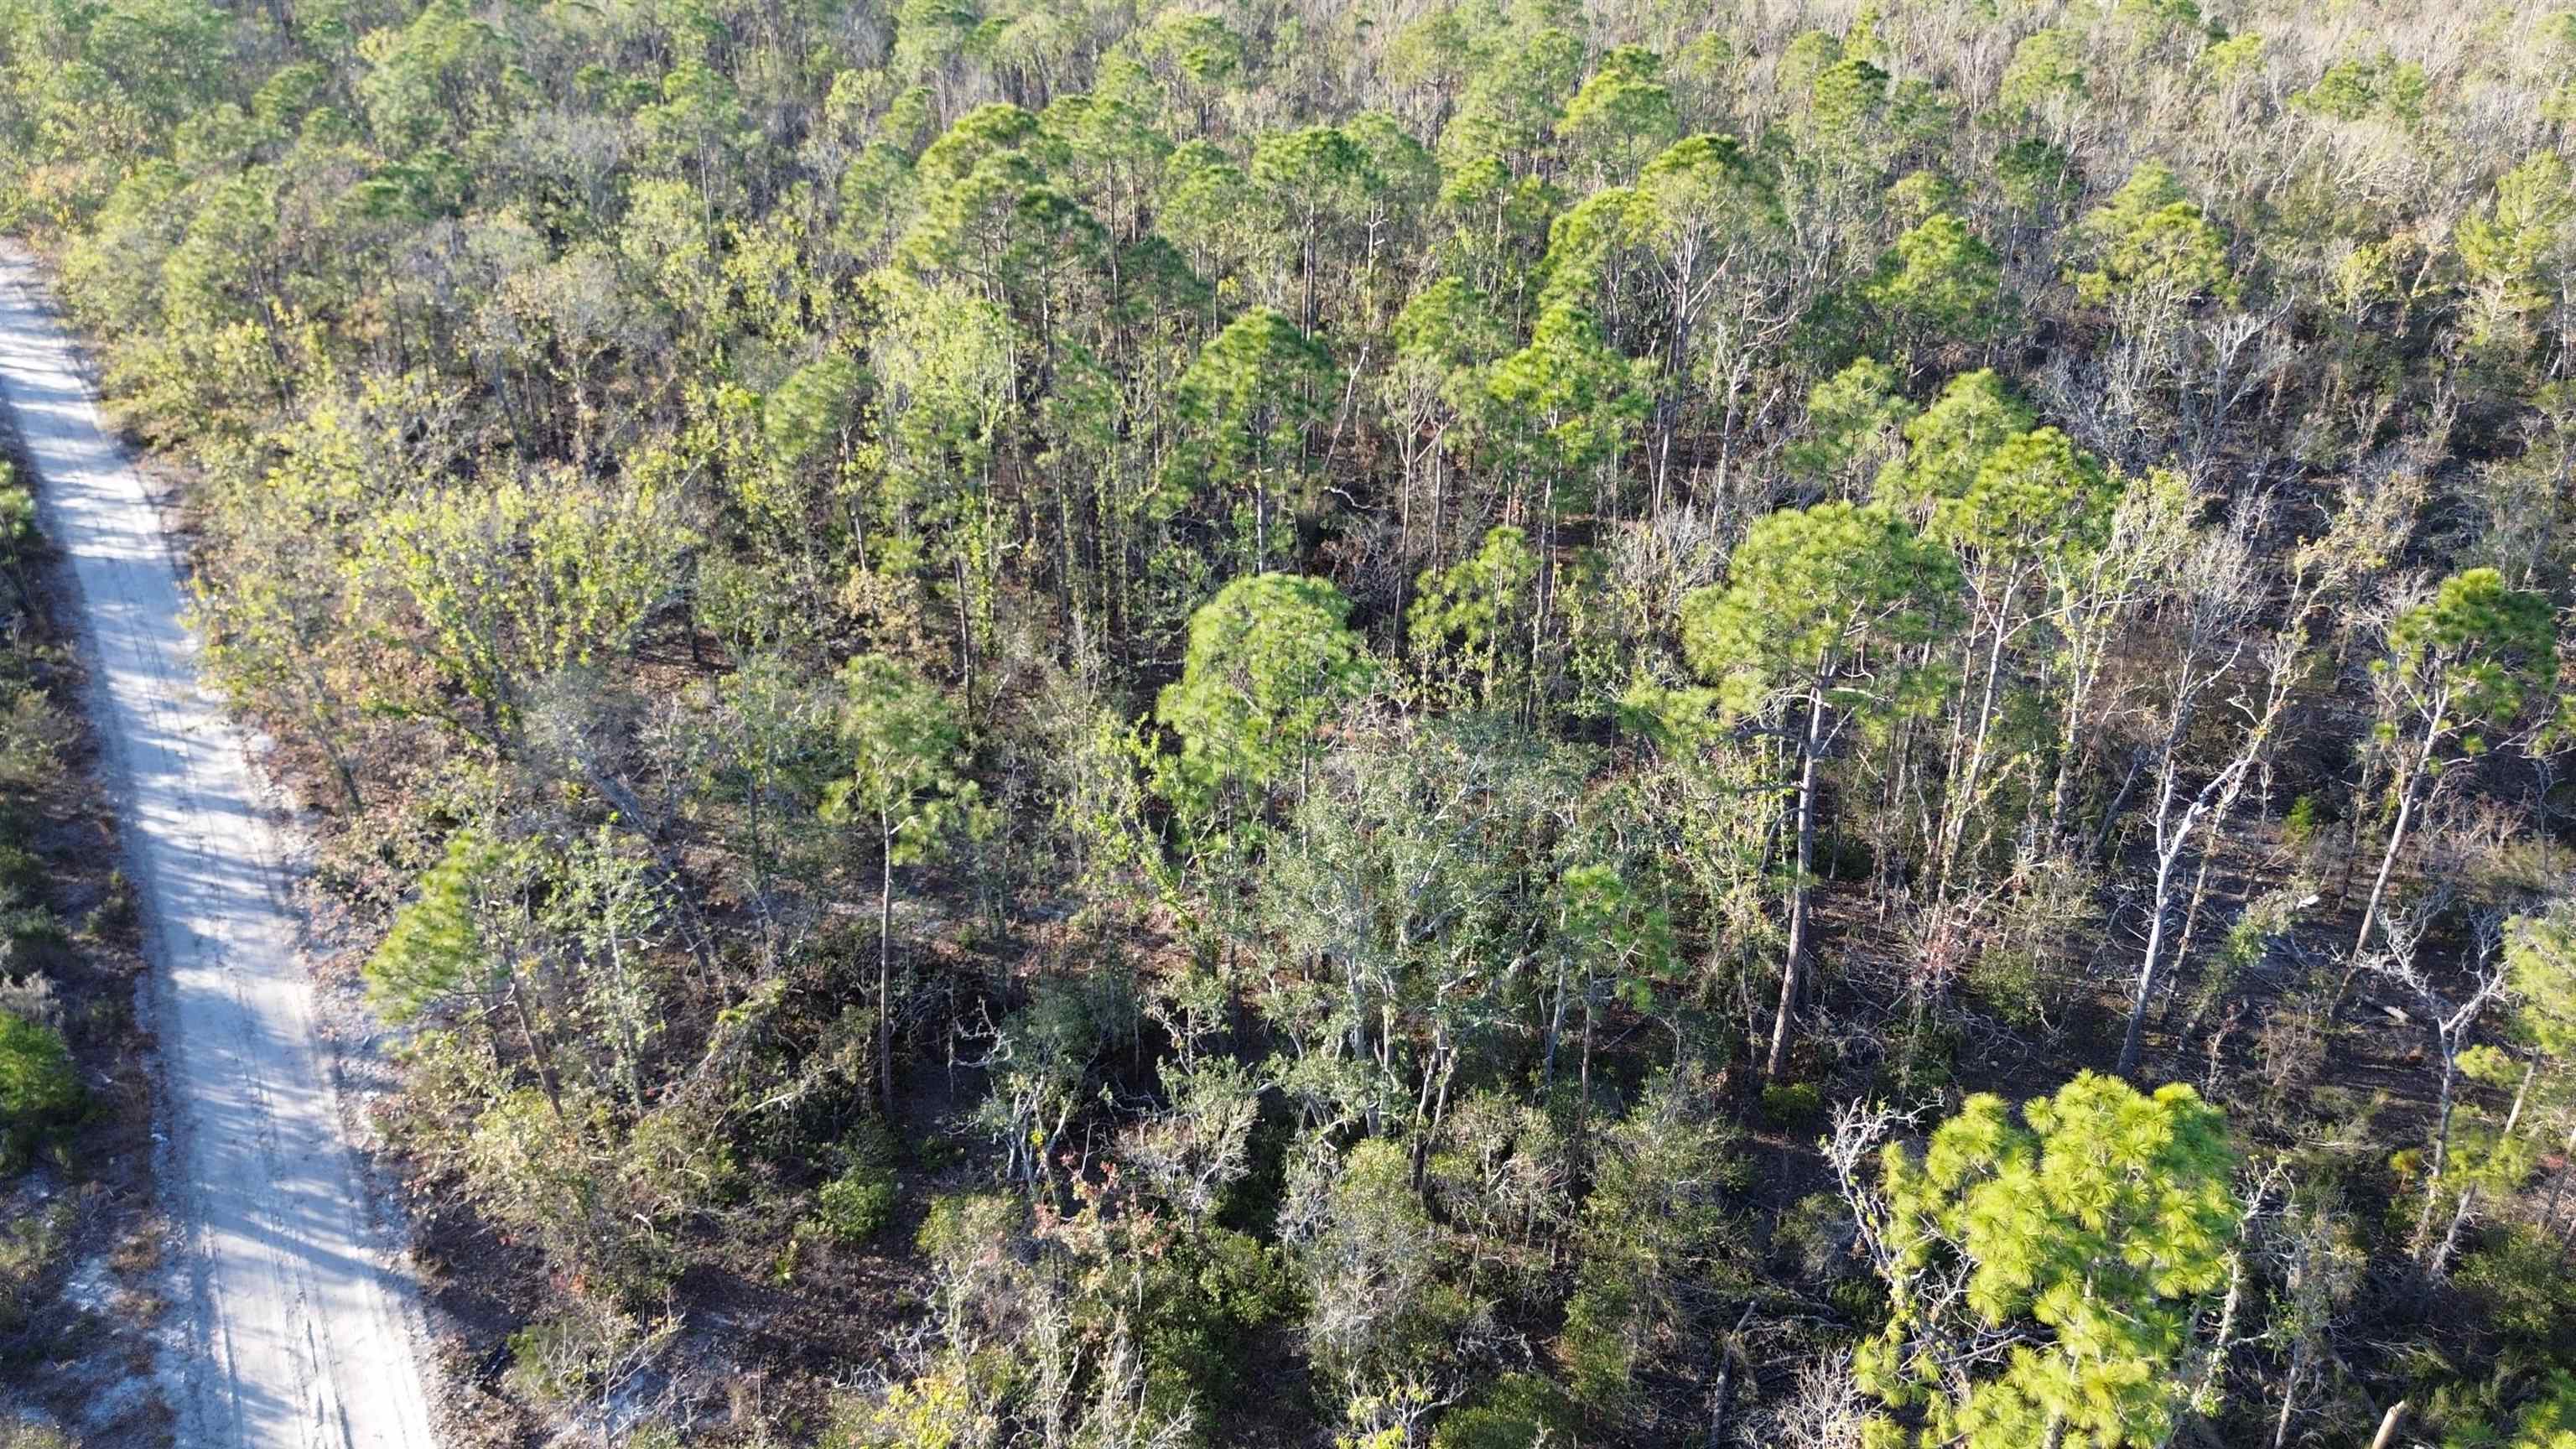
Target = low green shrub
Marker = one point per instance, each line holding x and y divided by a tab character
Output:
116	917
33	926
855	1206
1789	1106
2299	828
38	1089
2520	1277
1518	1411
22	875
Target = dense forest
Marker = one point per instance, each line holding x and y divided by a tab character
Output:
1421	723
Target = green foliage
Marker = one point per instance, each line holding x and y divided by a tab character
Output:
2474	645
1623	114
993	129
1854	418
20	541
1948	443
1657	1219
1247	400
2100	1219
2150	244
2036	176
435	951
2540	965
1940	279
904	747
1270	659
2516	248
2047	67
1792	1106
2036	495
856	1205
2299	828
1473	619
2516	1276
1569	400
1381	1304
2355	89
514	581
26	1434
677	473
1517	1411
39	1091
814	406
1807	587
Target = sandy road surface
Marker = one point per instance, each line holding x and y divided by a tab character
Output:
295	1332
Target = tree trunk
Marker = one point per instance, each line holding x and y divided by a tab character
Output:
2061	787
2168	852
1955	827
2558	1187
1583	1072
537	1055
2119	802
2158	910
2441	1146
885	966
2467	1206
1555	1028
2289	1398
2397	833
2388	1425
2387	864
1778	1060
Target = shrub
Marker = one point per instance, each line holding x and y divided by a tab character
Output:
2299	828
1787	1106
1202	1301
21	1434
567	1356
1815	1235
32	926
961	1225
115	917
22	875
854	1206
38	1090
1520	1410
2517	1274
32	735
29	1247
873	1144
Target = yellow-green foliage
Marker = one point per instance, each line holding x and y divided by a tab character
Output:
2094	1225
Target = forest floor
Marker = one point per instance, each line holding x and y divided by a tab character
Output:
292	1324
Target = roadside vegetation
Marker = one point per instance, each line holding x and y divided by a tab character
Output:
77	1236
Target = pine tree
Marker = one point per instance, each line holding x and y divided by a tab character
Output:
2044	1275
906	786
1809	591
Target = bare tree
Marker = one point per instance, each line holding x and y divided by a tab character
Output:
2103	590
1824	1409
2217	592
2452	1020
2320	1264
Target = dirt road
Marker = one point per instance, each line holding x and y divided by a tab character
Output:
295	1333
